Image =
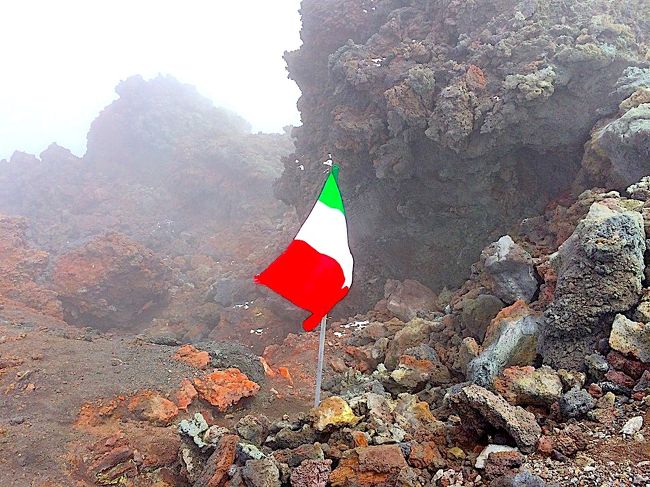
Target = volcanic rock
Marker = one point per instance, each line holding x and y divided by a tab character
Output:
405	299
509	271
382	465
151	406
614	156
511	339
192	356
597	366
529	386
599	268
482	458
333	412
632	426
477	313
519	423
224	388
632	338
426	455
414	333
261	473
418	366
416	91
110	281
216	471
575	403
21	267
311	473
185	394
253	428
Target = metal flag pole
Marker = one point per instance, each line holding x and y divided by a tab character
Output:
321	355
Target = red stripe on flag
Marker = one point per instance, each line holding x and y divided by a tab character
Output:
309	279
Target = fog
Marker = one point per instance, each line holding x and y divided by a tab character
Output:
61	61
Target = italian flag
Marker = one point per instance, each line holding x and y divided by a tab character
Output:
315	271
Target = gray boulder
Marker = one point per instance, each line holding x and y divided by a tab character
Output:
510	274
405	299
495	410
575	403
600	269
511	340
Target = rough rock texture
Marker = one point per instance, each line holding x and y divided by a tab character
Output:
529	386
171	172
405	299
22	267
600	269
630	337
109	282
224	388
510	272
333	411
511	339
519	423
452	120
216	473
618	151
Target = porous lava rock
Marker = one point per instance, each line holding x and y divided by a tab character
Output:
600	270
224	388
451	120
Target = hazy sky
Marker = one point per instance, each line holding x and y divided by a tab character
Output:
61	60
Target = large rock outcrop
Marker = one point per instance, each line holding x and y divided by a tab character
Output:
452	120
174	174
600	270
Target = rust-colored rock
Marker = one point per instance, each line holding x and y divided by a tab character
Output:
20	268
111	281
185	394
192	356
426	455
379	466
224	388
151	406
216	471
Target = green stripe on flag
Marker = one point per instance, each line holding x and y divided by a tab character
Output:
331	196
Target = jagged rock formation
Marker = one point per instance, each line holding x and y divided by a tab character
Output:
606	248
452	120
174	174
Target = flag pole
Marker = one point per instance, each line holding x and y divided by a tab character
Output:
321	354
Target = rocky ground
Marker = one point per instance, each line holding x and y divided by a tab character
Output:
135	350
455	388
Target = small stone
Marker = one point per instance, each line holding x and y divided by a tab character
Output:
311	473
510	274
633	426
545	445
606	401
456	453
261	473
224	388
151	406
621	379
576	403
482	458
597	367
194	429
192	356
333	412
529	386
216	472
571	379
